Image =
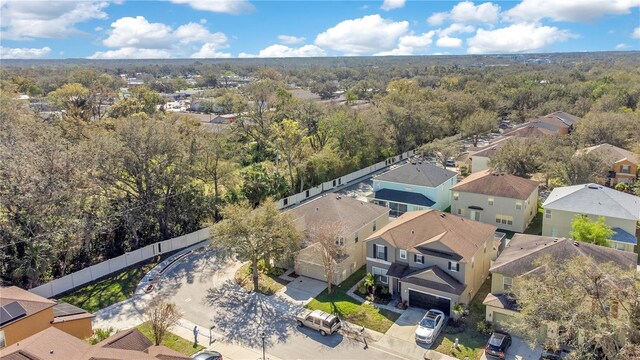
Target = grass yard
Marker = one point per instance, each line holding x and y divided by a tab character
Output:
349	309
535	227
171	340
267	284
471	342
110	289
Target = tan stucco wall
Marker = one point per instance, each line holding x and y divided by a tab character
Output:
80	328
561	221
501	205
28	326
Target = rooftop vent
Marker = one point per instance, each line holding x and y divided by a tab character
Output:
575	243
412	232
316	209
443	215
593	186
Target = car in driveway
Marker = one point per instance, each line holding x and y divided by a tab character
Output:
320	321
208	355
497	345
430	326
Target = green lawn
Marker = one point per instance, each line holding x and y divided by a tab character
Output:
172	341
267	284
109	290
349	309
535	227
471	342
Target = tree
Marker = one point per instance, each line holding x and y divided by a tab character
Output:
618	129
442	149
161	316
582	303
325	239
324	89
216	165
259	182
477	124
520	157
257	234
288	140
74	99
580	169
589	231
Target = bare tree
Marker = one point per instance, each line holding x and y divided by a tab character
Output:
328	243
161	315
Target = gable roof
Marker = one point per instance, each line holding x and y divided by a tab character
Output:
435	278
490	182
622	236
611	154
131	339
594	199
405	197
416	230
29	301
332	208
491	149
531	129
566	118
418	173
520	255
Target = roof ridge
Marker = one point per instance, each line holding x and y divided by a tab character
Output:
617	202
560	240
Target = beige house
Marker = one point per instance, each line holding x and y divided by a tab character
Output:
622	164
23	314
519	258
621	212
506	201
431	259
357	219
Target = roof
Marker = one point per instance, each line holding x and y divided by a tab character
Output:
403	197
64	311
532	129
611	154
332	208
622	236
489	182
566	118
594	199
442	281
415	230
520	255
131	339
419	173
30	302
493	148
398	270
502	301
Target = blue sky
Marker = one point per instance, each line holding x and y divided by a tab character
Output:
250	28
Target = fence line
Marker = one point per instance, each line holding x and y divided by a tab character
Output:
94	272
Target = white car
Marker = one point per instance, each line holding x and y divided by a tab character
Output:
430	326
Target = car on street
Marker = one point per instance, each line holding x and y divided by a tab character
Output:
208	355
497	345
320	321
450	163
430	326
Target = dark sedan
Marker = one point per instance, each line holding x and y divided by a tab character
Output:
497	346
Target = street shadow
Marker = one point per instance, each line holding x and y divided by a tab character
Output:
242	316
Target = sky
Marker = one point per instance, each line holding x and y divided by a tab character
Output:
126	29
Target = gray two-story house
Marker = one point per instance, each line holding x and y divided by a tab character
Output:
431	259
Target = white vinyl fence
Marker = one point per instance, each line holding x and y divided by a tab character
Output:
107	267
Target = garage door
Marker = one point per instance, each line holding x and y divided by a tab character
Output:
499	320
426	301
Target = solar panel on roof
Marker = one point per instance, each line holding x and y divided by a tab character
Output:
10	312
65	309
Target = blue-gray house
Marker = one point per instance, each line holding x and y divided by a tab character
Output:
414	186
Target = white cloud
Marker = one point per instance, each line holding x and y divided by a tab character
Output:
25	20
456	28
98	28
278	50
132	53
288	39
636	33
234	7
203	21
449	42
438	18
568	10
515	39
409	44
210	51
24	53
138	32
392	4
369	34
196	33
622	46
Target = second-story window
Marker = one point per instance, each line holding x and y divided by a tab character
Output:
625	169
403	254
507	283
456	196
490	201
454	266
357	237
547	213
380	252
374	225
418	259
518	205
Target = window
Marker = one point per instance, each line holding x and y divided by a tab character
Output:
454	266
504	219
374	225
403	254
554	231
625	169
382	273
380	252
3	342
285	201
547	214
518	205
357	237
507	283
460	211
340	241
456	196
474	215
418	259
619	246
306	193
491	201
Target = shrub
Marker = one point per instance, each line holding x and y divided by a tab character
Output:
362	289
99	335
484	327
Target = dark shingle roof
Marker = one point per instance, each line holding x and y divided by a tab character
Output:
131	339
424	174
404	197
447	283
520	255
495	183
622	236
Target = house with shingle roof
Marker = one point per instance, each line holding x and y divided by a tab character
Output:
355	219
497	198
413	186
431	259
622	164
520	258
621	211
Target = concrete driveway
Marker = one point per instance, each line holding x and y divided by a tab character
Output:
302	289
520	350
401	335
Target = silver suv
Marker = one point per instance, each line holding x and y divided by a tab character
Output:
319	320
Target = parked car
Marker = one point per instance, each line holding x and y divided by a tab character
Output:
430	326
498	344
208	355
319	321
450	163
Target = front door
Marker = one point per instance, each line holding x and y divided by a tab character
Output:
474	215
396	286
